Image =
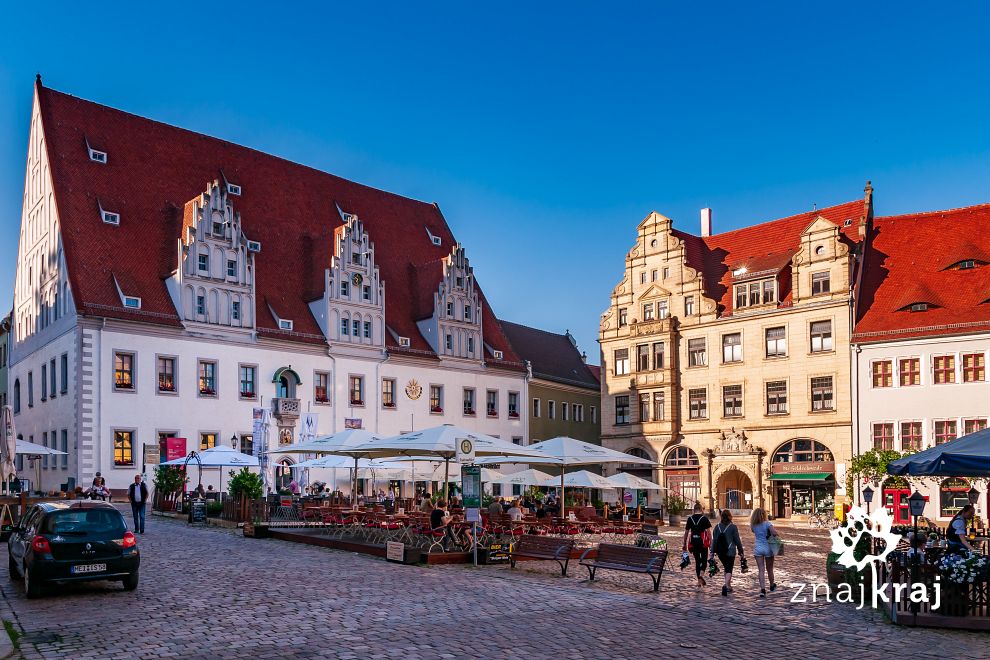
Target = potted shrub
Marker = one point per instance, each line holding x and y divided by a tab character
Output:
676	506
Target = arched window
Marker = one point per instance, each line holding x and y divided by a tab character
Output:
17	395
952	496
681	457
802	450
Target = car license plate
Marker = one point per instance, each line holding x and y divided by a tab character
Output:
89	568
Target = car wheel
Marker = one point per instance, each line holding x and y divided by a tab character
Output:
13	568
131	581
31	587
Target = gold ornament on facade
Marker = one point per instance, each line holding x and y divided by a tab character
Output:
413	389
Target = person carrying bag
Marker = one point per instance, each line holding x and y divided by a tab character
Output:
725	543
694	540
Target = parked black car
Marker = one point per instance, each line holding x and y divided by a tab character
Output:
70	542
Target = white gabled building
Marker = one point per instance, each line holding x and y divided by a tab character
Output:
169	282
921	346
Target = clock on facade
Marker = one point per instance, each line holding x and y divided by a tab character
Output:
357	279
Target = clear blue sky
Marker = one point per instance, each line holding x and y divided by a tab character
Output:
545	131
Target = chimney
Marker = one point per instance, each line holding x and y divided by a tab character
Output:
706	221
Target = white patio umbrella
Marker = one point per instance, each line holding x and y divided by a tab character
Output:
343	443
35	451
569	451
528	477
442	441
8	446
219	456
632	482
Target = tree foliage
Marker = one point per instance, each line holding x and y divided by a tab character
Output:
870	465
245	483
169	479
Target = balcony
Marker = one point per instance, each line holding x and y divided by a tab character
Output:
286	410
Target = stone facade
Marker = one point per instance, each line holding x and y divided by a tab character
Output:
725	359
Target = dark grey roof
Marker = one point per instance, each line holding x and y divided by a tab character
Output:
553	356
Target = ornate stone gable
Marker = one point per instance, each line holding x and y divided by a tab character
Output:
214	282
354	294
455	329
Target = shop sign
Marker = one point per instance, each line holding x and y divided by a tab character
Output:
803	467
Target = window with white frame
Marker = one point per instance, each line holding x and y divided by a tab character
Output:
491	403
732	347
436	399
388	392
166	374
536	408
123	371
689	306
355	388
698	403
732	401
247	381
621	410
648	312
468	401
513	405
123	447
621	361
776	341
207	378
821	336
820	283
822	397
697	353
776	397
663	310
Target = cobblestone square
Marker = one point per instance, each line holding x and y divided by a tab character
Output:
208	592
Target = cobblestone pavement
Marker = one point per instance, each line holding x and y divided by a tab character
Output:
212	593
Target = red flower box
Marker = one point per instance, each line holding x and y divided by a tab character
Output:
247	395
436	409
513	415
357	402
322	399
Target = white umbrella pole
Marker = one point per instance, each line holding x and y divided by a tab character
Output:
562	491
446	477
354	501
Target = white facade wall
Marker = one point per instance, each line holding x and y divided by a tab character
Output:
147	412
925	403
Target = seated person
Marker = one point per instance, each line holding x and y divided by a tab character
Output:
440	519
541	511
515	512
917	546
495	508
426	505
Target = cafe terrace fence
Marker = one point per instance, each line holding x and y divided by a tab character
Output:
964	605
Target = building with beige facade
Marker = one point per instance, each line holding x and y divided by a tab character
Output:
725	359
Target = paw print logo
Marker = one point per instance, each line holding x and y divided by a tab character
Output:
877	525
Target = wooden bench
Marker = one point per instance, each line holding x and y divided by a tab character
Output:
627	558
542	547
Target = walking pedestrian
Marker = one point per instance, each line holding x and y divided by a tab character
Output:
725	542
137	495
695	533
763	530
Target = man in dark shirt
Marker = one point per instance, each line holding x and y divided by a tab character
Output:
439	519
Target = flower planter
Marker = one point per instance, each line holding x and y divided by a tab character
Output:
673	519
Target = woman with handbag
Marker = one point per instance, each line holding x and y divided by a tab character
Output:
725	542
697	539
763	549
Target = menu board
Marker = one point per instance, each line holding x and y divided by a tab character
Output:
197	512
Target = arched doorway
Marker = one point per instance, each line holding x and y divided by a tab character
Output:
283	474
286	380
682	473
735	490
803	473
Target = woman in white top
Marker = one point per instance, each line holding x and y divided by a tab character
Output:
763	530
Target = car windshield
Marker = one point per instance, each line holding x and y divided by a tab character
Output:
85	521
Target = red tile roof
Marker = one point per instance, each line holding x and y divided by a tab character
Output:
907	261
763	247
154	169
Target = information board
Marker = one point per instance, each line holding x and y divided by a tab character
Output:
395	551
197	512
471	486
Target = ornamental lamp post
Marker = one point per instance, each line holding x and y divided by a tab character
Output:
233	441
867	497
917	506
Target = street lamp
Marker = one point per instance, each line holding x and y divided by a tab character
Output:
867	497
233	441
917	505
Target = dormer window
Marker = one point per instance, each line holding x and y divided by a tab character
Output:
966	264
233	189
760	292
132	302
110	217
497	354
820	283
919	307
285	324
98	156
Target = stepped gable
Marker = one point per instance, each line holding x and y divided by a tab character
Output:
153	169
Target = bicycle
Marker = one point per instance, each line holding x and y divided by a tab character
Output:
823	521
